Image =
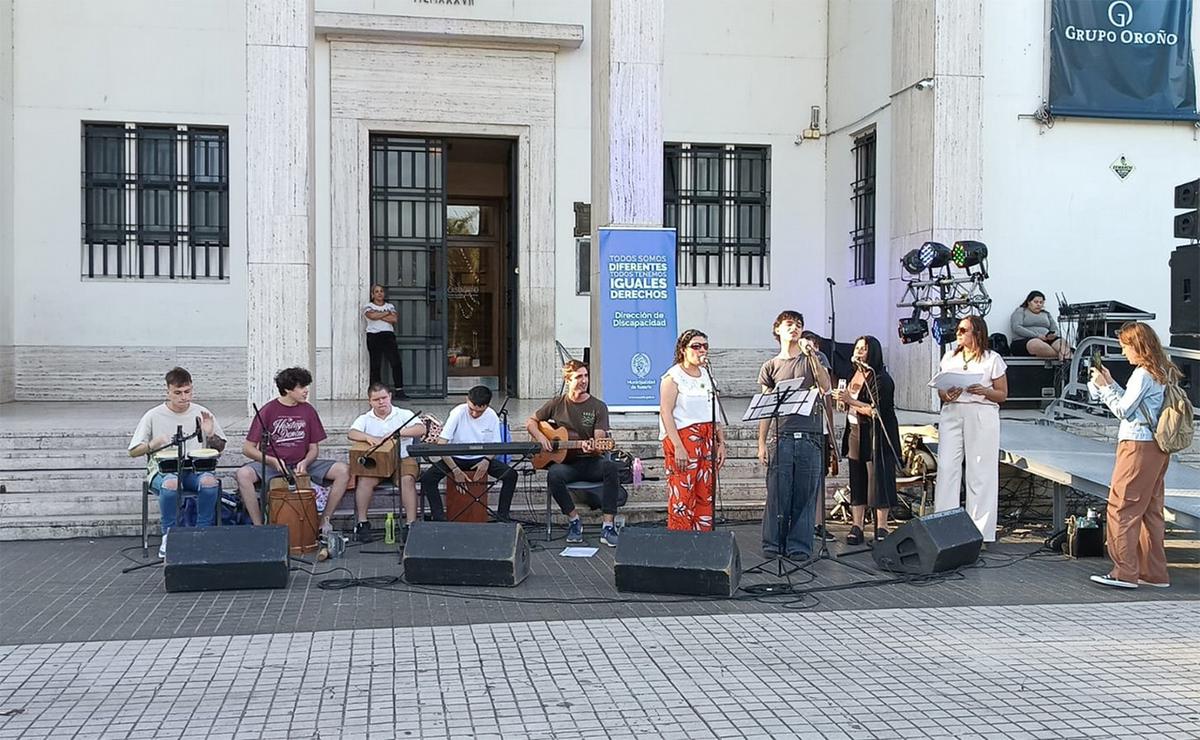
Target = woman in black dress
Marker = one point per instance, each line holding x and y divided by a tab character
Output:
872	434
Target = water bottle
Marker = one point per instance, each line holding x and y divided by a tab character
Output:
637	471
389	529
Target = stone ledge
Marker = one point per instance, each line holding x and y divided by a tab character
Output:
519	34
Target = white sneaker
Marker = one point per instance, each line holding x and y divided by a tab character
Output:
162	546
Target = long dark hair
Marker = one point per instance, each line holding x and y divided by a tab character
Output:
684	340
980	332
1032	294
874	353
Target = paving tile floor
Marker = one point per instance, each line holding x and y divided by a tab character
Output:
1020	645
75	591
1024	671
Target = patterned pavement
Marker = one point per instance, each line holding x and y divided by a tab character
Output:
1019	645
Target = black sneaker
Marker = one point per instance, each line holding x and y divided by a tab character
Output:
828	535
362	532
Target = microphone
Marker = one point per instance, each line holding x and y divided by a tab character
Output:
704	360
862	365
830	281
199	433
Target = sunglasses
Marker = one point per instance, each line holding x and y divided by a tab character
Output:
961	330
698	346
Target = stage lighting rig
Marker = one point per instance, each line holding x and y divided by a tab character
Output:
944	328
967	254
943	297
913	329
929	256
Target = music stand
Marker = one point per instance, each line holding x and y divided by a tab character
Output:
787	399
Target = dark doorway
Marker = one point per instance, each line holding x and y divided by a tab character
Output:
443	246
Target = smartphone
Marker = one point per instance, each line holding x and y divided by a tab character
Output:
1097	361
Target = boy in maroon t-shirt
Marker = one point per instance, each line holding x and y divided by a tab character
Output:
295	433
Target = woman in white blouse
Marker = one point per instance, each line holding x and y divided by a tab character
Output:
381	320
688	431
970	427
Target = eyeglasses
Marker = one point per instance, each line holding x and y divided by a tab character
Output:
962	330
698	346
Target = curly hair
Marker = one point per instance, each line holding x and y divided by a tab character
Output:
684	340
1145	344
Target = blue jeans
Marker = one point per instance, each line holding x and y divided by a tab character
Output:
206	486
795	478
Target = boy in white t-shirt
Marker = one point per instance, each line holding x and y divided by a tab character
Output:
473	421
154	433
372	427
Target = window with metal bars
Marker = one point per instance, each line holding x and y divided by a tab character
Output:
718	199
155	201
862	198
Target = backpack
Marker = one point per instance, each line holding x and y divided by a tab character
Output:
1176	427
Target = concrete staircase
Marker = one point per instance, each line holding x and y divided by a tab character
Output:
64	484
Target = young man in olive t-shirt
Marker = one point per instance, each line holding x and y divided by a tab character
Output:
585	417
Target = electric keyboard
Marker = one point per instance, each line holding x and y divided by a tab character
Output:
473	449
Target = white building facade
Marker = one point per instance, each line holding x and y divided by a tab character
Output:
292	152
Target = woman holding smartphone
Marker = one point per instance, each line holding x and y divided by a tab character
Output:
1136	529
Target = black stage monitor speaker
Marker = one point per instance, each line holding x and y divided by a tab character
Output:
461	554
1187	225
662	561
1185	290
930	544
1187	195
226	558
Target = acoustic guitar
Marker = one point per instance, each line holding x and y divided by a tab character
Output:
560	443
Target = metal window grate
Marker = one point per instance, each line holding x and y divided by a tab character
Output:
718	199
155	202
862	198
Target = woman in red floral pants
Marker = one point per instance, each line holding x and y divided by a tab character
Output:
688	431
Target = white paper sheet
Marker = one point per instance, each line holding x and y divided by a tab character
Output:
579	552
947	379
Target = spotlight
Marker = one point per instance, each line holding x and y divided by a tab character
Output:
944	328
913	329
912	262
935	255
969	253
930	255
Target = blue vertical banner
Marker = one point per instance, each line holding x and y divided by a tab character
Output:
637	314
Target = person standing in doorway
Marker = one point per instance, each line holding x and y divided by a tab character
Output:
381	319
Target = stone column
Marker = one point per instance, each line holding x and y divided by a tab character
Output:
937	153
8	362
279	186
627	139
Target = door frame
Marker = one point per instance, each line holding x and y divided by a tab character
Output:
534	231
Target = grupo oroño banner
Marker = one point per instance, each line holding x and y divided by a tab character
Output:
637	314
1122	59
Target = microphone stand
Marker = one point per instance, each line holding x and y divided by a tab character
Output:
264	443
783	565
712	448
877	427
363	458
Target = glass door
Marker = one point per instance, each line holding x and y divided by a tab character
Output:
474	263
408	252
